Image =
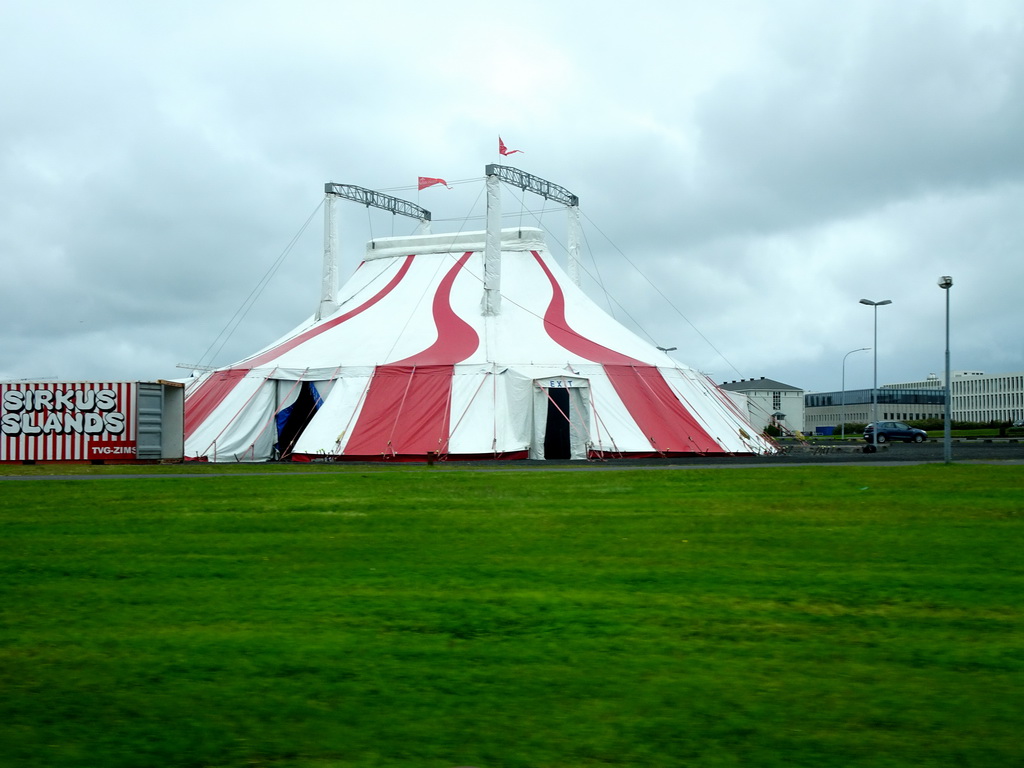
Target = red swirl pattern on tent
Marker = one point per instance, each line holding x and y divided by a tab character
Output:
408	404
212	392
656	409
456	339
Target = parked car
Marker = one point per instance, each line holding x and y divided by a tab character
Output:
894	430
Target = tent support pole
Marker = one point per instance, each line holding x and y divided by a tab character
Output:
369	198
329	281
574	244
492	249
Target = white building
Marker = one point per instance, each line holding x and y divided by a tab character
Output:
979	396
976	396
827	410
771	402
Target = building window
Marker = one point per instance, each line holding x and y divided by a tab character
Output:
776	401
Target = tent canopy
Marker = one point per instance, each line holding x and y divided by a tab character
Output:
411	364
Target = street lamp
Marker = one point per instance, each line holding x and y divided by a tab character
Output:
945	283
874	387
842	429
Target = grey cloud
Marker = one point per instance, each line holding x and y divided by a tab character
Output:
763	168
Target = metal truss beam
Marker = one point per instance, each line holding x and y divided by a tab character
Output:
377	200
531	183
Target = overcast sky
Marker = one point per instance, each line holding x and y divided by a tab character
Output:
765	165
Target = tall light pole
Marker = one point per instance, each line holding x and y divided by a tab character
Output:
874	386
945	283
842	429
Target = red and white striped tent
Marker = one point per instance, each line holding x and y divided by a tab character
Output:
414	361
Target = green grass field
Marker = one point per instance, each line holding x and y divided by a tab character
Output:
397	616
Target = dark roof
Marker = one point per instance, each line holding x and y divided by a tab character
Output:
745	385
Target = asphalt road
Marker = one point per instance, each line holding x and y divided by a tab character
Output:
929	451
988	451
981	451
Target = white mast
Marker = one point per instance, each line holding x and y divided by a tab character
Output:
529	183
574	243
329	277
492	248
369	198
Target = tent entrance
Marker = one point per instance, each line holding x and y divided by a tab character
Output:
291	421
561	418
556	430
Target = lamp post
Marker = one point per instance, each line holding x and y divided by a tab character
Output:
874	386
945	283
842	429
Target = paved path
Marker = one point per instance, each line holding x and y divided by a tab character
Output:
896	454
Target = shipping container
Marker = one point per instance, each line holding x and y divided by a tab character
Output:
90	421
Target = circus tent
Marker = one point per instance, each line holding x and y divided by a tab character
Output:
472	345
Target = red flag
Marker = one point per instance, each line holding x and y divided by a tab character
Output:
503	150
426	181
